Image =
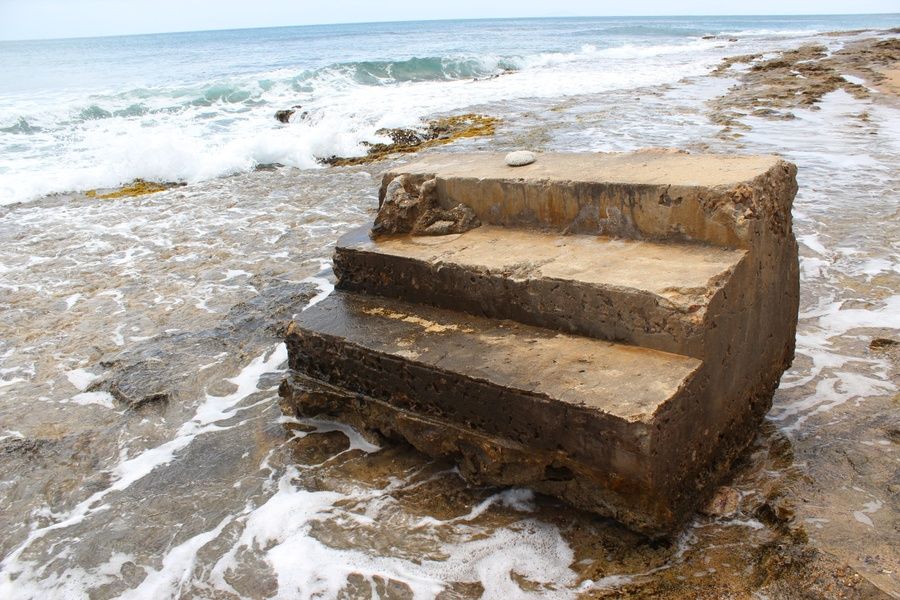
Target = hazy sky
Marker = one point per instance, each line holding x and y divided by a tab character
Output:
28	19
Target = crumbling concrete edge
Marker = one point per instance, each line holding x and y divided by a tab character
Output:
484	459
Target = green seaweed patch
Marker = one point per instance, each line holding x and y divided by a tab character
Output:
436	133
138	187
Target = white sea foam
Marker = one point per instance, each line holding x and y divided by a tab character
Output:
174	141
206	419
357	441
72	300
177	568
520	499
325	286
786	33
869	508
281	528
839	322
104	399
81	378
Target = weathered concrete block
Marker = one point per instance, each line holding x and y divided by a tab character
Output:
611	335
413	208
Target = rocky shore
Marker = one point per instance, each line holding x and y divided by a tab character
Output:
771	87
143	451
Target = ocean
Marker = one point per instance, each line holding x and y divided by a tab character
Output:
143	452
79	114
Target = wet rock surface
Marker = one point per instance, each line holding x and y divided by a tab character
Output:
284	115
887	347
798	78
158	371
138	187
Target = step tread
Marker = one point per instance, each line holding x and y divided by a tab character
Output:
641	168
683	274
624	381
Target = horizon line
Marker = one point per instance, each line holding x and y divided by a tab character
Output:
386	22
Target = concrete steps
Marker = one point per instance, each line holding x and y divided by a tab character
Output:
610	332
643	293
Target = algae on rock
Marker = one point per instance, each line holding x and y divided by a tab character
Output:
138	187
436	133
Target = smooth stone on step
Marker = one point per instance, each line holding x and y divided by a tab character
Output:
520	158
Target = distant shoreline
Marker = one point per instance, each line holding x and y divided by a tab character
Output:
432	21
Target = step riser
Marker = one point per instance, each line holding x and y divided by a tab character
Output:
622	211
684	198
613	314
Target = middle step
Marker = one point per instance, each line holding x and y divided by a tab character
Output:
648	294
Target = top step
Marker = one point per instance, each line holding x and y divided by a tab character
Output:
722	200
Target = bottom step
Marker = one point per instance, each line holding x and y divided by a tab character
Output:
481	458
607	427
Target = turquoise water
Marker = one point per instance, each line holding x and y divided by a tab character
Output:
77	114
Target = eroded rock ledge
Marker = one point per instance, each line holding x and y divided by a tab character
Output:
138	187
773	87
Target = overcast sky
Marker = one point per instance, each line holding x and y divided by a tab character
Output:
30	19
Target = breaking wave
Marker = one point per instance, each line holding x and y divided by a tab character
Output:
415	69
